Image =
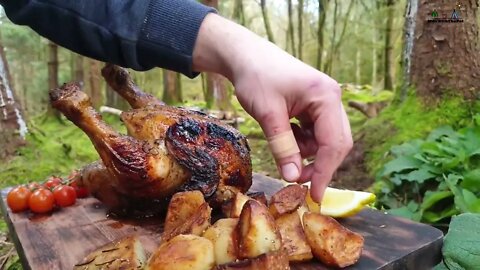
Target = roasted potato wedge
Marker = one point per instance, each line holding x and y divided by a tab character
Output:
127	253
195	224
259	196
293	238
276	260
223	236
287	200
182	206
257	232
233	208
331	243
183	252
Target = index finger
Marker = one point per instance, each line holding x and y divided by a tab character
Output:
330	136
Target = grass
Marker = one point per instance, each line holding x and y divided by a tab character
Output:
411	119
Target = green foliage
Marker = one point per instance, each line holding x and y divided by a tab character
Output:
433	179
461	246
408	120
53	148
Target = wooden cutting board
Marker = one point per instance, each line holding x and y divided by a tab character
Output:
62	239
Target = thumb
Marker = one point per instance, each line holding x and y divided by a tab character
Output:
283	145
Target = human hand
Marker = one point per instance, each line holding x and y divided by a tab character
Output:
274	87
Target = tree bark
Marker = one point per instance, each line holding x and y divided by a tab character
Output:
411	10
335	44
216	94
266	21
322	7
445	56
388	49
95	79
52	75
172	92
300	28
238	12
12	124
291	30
78	72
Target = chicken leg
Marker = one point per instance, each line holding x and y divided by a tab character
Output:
137	169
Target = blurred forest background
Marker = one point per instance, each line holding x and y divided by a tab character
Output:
410	87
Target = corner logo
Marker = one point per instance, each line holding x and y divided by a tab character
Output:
452	16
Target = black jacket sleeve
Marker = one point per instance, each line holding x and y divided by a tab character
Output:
139	34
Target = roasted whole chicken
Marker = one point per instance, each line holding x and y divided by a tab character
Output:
167	149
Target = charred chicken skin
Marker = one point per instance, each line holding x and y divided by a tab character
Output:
167	149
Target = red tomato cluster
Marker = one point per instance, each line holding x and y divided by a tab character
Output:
43	198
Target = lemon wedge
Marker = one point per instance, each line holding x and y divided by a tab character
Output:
339	202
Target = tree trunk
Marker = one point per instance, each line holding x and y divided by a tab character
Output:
291	30
358	58
335	44
322	7
266	21
388	49
12	125
52	75
216	94
172	92
78	72
445	55
95	79
300	28
409	33
238	12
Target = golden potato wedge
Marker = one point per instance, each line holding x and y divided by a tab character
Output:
223	236
275	260
293	238
331	243
259	196
181	207
257	232
233	208
287	200
195	224
183	252
127	253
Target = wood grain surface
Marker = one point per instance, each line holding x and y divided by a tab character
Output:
62	239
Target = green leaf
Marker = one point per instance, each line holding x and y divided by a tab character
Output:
461	246
471	180
410	211
434	216
407	149
440	132
419	175
432	197
400	164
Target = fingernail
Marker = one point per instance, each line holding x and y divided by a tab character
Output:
290	172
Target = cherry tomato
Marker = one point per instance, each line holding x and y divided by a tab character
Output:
33	186
41	201
17	198
52	182
64	195
81	191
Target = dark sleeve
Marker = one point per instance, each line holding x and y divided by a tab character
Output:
139	34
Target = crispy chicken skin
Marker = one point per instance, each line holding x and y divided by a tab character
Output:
167	149
217	155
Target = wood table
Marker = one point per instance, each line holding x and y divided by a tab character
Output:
62	239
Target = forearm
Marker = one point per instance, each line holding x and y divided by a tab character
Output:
140	34
222	46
